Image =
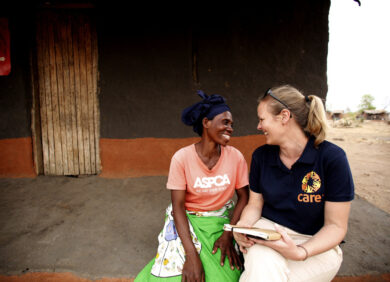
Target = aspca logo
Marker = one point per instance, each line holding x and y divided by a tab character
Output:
310	184
208	182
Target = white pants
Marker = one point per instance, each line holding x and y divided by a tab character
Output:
264	264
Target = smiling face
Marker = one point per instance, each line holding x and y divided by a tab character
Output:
220	128
270	124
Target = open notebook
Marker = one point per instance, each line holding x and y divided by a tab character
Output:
258	233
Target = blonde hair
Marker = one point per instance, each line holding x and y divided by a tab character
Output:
309	112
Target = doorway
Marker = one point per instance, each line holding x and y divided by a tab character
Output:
65	105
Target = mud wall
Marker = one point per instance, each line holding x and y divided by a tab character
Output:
15	93
16	99
151	62
146	62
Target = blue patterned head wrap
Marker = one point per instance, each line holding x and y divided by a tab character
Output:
209	107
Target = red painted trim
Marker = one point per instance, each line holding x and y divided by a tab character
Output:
120	158
123	158
16	158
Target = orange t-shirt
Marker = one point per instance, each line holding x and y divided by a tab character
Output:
207	190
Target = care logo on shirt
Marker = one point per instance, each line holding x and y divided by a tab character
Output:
208	182
310	184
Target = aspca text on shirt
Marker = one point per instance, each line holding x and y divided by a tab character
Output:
211	184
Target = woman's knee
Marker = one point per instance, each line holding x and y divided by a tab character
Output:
321	267
261	255
264	264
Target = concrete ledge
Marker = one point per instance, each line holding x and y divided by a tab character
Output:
69	277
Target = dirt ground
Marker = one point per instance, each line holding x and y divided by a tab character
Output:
367	145
94	227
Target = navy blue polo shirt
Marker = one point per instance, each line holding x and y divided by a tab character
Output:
296	197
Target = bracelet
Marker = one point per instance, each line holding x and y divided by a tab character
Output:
307	253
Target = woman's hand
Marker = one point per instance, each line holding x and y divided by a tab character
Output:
192	269
225	244
285	245
250	215
242	240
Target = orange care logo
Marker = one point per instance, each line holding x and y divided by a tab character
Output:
310	184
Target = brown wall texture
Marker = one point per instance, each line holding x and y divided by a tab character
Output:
153	59
146	62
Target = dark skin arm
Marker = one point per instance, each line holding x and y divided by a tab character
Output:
193	268
225	242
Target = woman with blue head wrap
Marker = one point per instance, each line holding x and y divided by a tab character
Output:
209	107
203	178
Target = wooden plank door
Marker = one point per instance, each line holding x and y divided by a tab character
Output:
66	60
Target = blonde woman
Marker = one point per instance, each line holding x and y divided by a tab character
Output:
301	186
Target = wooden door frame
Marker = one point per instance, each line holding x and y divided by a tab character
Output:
35	110
35	114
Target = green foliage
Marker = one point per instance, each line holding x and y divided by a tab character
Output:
366	103
351	115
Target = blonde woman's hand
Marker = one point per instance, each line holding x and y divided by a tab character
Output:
285	245
242	240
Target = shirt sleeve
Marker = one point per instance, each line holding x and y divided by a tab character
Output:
242	173
254	175
176	176
339	183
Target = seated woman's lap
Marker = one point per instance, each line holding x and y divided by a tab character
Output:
264	264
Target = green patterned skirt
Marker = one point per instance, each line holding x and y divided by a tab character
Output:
205	228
